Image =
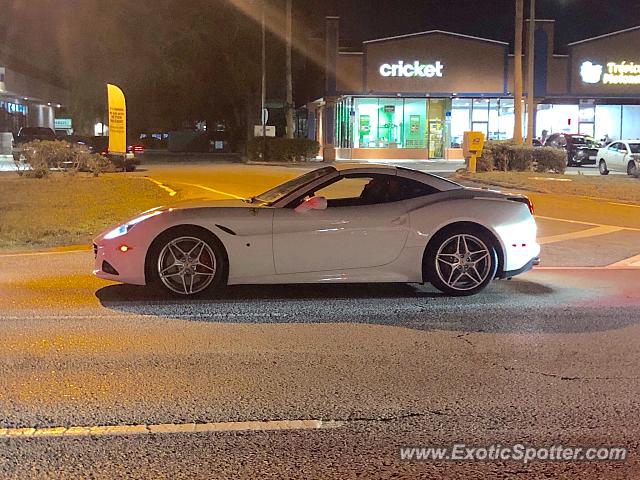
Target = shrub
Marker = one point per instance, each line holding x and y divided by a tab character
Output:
549	159
278	149
97	164
520	157
495	156
38	157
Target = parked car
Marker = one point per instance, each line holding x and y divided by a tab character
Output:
127	162
28	134
394	225
581	149
620	156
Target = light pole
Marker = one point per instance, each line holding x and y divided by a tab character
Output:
263	94
530	55
517	74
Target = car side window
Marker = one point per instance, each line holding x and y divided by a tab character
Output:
622	147
614	146
371	189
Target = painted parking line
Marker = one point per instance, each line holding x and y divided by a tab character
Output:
589	232
172	192
167	428
590	224
209	189
631	262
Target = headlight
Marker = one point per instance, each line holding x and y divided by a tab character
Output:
124	228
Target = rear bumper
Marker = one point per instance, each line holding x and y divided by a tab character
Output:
525	268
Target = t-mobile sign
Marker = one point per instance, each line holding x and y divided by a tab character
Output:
411	69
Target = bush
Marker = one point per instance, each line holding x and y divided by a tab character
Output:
97	164
280	149
38	157
549	159
495	156
520	157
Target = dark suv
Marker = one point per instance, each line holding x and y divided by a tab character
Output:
581	149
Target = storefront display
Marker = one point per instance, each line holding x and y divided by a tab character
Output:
418	93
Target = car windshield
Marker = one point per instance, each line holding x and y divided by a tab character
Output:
284	189
634	147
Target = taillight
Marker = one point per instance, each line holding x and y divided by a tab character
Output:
525	200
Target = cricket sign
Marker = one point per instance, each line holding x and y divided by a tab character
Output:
411	69
117	120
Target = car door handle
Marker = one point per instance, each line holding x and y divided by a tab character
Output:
399	220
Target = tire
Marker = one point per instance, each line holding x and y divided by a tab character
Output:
464	252
632	170
186	262
130	168
602	167
570	162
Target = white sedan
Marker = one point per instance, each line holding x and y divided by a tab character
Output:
343	223
622	156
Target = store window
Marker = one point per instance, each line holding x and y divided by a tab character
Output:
607	122
390	125
556	119
480	116
460	120
366	127
630	122
415	123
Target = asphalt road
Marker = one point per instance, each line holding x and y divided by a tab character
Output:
547	358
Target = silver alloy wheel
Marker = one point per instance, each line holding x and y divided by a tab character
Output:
186	265
463	262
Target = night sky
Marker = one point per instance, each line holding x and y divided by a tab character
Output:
575	19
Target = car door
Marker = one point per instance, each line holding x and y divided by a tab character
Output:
342	236
620	157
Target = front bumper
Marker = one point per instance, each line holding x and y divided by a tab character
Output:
112	264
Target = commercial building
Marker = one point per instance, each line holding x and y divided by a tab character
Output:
412	96
28	96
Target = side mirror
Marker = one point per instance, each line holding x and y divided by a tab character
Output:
313	203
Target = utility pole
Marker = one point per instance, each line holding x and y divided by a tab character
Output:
263	95
517	74
530	55
289	106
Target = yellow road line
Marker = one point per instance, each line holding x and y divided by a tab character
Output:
624	204
212	190
26	254
171	192
147	429
589	232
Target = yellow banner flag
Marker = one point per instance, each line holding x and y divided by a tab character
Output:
117	120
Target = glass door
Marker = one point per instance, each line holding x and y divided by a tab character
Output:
437	132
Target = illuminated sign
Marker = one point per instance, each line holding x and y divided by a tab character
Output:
411	69
623	73
62	123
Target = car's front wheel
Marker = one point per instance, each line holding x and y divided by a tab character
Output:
461	261
187	261
602	167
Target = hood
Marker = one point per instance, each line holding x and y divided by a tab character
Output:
204	203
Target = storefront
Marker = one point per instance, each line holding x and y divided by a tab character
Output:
414	95
28	99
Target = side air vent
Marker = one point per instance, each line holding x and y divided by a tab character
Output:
225	229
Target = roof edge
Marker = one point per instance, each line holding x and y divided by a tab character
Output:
443	32
604	36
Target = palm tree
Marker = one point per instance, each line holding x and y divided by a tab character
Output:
289	106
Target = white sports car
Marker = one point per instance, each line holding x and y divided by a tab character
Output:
342	223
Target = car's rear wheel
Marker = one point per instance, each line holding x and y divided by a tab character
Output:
602	167
461	261
187	261
632	169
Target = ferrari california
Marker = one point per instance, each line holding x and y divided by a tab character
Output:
342	223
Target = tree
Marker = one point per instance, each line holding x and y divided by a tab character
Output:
289	106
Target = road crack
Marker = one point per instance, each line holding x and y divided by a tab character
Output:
563	377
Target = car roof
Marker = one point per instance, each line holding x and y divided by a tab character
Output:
630	141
